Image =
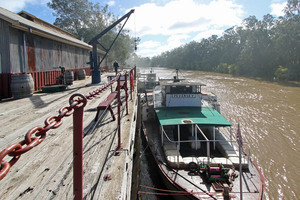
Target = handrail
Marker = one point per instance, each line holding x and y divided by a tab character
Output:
206	140
185	141
201	132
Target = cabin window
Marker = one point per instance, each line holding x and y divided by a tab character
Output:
168	89
181	89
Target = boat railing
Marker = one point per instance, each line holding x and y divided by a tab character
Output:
231	141
245	144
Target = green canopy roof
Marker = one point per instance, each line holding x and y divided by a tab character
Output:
204	116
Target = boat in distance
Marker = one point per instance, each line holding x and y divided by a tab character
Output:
198	154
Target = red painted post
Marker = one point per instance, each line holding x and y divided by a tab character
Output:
131	83
134	72
126	95
40	80
78	147
134	75
119	113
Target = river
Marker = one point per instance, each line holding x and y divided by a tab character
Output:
269	116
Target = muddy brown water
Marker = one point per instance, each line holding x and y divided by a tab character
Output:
269	117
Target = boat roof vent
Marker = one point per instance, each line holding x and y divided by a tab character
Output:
187	121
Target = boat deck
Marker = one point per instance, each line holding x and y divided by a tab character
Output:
167	158
46	171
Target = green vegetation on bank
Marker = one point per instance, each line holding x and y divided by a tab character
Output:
264	48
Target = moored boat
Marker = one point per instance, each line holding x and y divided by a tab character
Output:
194	146
147	81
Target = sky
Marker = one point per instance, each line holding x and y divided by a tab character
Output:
163	25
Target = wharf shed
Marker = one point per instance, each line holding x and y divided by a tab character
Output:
32	45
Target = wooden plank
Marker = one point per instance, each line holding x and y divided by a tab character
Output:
46	170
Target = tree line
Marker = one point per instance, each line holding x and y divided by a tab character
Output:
267	48
86	19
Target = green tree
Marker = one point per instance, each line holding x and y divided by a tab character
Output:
255	48
292	8
86	19
281	73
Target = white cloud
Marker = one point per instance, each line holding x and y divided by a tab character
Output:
153	48
111	3
15	5
149	48
277	9
176	40
149	44
185	16
179	18
207	34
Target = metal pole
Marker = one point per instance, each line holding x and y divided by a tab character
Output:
162	136
214	131
178	145
240	161
196	137
96	76
126	95
208	151
131	83
231	135
134	72
178	135
77	148
119	114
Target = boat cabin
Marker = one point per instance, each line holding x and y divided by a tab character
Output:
190	128
147	81
177	94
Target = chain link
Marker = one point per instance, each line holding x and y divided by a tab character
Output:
52	122
5	166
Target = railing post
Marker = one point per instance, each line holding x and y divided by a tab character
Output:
134	69
131	83
126	95
78	145
119	113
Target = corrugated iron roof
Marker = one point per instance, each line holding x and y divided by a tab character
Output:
50	31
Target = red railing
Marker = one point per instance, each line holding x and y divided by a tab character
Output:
37	134
40	79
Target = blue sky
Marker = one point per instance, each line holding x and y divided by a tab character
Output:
166	24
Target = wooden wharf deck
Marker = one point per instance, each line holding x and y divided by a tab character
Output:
46	171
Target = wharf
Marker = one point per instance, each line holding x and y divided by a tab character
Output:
46	171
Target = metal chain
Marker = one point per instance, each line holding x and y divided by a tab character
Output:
52	122
37	134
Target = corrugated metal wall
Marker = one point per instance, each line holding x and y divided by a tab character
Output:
39	54
4	47
23	52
